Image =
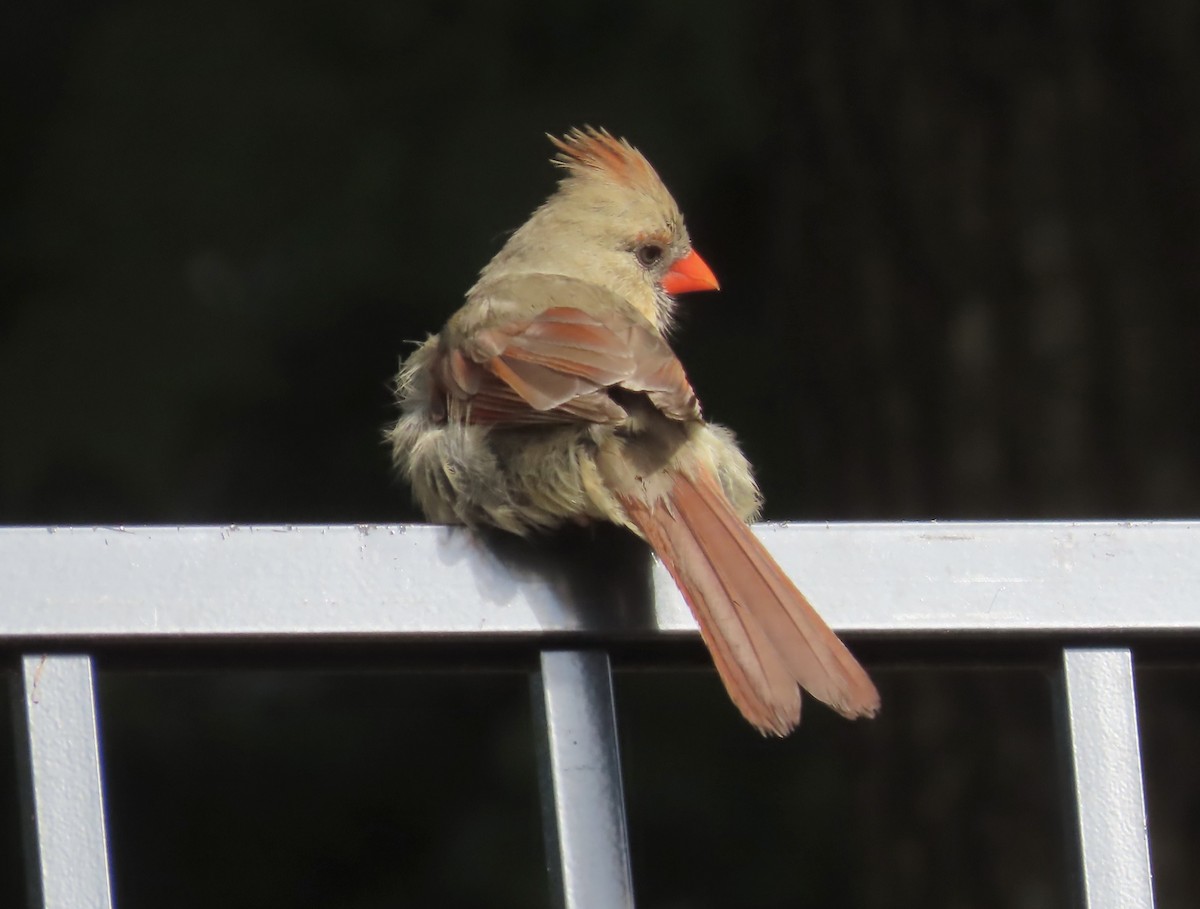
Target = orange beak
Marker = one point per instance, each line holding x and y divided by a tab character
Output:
689	274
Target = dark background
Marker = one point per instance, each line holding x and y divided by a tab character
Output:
959	252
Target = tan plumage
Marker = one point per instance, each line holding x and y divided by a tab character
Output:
552	396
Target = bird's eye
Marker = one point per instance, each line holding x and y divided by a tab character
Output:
649	254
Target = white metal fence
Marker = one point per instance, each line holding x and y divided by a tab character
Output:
68	594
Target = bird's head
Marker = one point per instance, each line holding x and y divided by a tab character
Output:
611	222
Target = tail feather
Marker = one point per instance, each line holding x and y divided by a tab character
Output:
801	635
757	682
765	637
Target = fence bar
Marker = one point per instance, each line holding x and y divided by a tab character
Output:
1108	778
586	841
68	854
84	584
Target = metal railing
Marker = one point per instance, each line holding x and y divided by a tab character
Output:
68	594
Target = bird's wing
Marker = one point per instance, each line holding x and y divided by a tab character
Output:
561	364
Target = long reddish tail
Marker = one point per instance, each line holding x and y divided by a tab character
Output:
764	636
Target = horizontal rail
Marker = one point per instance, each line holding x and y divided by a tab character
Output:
66	584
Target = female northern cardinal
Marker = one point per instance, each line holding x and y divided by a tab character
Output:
552	396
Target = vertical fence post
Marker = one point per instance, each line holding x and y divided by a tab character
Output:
65	834
582	798
1102	715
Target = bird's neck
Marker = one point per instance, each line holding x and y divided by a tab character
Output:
606	270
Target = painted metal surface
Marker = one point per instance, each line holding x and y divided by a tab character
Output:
69	584
68	853
161	587
587	843
1102	715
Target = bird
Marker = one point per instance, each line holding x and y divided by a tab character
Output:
552	397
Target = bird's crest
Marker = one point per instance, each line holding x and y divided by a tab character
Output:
587	151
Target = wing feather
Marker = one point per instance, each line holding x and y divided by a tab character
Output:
560	365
